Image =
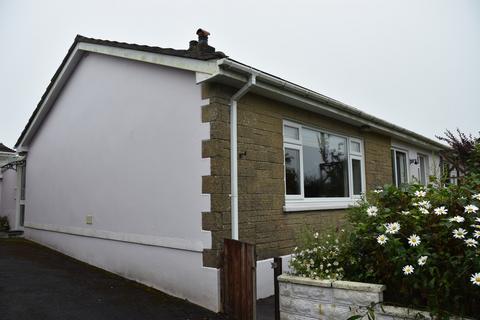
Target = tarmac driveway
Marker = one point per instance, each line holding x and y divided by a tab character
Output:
38	283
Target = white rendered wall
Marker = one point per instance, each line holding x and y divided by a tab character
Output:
123	144
412	153
8	196
265	287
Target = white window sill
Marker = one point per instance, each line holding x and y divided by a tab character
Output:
323	204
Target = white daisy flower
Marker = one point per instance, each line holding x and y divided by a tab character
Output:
476	196
459	233
414	240
424	210
372	211
457	219
440	211
392	228
426	204
408	269
471	208
315	235
476	234
477	219
422	260
475	278
382	239
405	212
420	194
471	242
378	191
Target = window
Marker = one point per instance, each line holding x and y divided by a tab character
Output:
423	169
323	170
399	167
21	171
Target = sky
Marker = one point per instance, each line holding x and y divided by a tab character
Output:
414	63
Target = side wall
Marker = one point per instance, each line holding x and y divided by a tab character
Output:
8	196
262	220
114	176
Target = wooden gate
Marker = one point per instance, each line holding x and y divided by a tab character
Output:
239	280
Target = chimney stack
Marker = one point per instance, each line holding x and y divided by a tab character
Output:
203	36
201	46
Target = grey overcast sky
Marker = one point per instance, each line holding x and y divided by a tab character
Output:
415	63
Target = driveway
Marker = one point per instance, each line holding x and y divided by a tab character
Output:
39	283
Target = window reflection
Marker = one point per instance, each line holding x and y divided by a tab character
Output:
324	165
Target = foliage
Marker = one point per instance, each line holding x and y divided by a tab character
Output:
319	255
464	152
4	226
422	242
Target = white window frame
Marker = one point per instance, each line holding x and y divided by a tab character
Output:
357	156
299	148
427	167
21	171
407	164
299	202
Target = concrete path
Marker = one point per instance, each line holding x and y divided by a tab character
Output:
39	283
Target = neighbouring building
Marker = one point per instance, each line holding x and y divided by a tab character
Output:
128	162
12	187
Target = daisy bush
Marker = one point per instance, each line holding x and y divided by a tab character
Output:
422	242
320	256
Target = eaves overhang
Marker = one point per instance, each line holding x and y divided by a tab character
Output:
177	59
236	74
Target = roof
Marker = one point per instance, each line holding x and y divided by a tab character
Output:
191	53
339	107
224	68
4	148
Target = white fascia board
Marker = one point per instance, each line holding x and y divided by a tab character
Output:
199	66
293	94
50	98
339	114
203	66
3	153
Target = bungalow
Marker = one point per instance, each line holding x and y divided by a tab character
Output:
133	164
5	154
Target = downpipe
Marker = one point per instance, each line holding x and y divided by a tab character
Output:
234	153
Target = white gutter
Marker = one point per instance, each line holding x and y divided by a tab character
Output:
269	82
234	153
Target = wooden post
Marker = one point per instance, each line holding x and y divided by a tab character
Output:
277	270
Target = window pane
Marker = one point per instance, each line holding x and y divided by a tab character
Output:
394	166
401	158
291	132
325	168
22	215
357	176
23	172
292	171
355	146
422	170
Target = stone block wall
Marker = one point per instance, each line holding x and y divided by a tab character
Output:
262	220
307	299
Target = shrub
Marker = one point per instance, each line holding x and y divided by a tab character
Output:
464	152
422	242
319	255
